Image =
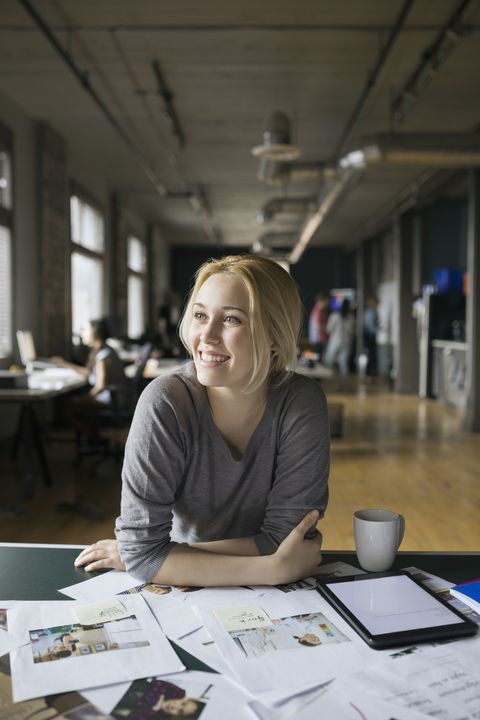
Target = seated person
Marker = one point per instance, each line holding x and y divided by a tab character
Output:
104	370
227	460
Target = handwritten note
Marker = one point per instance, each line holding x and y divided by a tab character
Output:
100	612
243	618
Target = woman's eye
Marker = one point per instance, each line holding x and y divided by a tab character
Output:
232	320
198	315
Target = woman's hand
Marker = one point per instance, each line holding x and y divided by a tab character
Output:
296	557
102	555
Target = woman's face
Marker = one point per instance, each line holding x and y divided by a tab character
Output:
181	707
87	335
219	333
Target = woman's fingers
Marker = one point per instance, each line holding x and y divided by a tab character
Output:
297	556
101	555
306	523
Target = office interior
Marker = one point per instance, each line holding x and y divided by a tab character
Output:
139	140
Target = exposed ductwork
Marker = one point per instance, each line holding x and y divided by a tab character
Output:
286	208
444	150
330	198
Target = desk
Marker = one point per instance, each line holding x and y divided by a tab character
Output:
156	368
42	385
317	371
34	572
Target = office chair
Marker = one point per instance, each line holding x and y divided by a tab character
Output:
117	417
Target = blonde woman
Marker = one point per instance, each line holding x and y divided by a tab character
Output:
227	460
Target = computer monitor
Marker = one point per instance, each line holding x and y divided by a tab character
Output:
28	354
26	347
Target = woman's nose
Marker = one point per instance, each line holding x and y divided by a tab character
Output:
210	333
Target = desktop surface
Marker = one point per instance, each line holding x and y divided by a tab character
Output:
35	572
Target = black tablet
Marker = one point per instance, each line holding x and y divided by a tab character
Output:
389	609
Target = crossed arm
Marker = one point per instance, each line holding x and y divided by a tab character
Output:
224	562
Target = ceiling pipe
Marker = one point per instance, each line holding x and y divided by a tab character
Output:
432	57
338	188
446	150
84	80
291	205
197	202
344	178
373	75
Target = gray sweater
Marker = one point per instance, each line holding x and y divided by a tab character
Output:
182	484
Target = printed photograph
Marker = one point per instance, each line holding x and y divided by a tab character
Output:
148	587
3	619
159	699
66	641
298	585
289	633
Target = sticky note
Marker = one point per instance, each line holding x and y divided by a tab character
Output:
243	618
100	612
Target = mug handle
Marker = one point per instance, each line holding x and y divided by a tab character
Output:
401	529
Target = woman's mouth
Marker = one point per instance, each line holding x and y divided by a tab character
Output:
213	358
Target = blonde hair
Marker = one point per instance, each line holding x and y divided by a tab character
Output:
275	313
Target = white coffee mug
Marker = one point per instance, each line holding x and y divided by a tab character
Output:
378	534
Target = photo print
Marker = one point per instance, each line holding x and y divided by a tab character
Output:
160	699
154	588
289	633
76	640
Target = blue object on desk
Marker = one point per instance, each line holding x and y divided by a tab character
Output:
469	593
448	282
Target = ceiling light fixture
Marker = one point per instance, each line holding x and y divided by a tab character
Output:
276	145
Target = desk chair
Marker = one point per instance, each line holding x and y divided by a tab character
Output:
117	417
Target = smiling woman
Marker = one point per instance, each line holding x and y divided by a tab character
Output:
227	461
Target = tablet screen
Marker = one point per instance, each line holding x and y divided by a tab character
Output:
392	604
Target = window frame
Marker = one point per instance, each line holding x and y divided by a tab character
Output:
142	275
7	220
78	191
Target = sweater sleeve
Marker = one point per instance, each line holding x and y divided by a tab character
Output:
151	479
302	464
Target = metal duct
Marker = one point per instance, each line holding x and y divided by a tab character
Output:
446	150
286	206
331	197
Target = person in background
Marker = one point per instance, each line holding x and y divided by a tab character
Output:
227	460
317	324
104	371
340	331
370	328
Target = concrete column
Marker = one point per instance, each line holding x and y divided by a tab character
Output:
472	410
54	240
406	352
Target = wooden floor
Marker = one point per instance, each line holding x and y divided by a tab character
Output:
397	452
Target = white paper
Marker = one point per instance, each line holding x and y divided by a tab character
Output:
190	694
71	657
201	645
305	637
100	586
176	620
8	642
333	701
440	682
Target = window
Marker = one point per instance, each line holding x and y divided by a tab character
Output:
137	285
87	262
6	223
5	293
